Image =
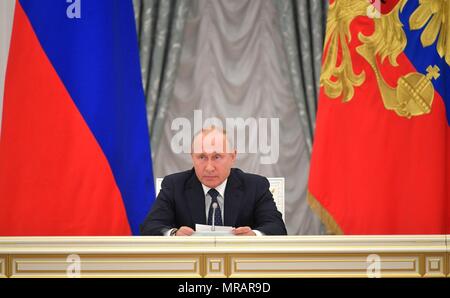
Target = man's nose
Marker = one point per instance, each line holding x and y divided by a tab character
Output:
209	167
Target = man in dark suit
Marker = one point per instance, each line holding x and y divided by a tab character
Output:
213	191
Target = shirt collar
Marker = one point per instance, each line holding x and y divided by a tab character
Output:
220	188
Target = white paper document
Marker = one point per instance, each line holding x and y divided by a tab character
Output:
206	230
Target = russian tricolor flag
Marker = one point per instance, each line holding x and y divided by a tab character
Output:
74	145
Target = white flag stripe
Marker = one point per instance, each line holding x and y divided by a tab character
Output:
6	21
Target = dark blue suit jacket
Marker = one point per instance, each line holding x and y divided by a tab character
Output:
181	202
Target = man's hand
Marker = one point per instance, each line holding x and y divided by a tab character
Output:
243	231
184	231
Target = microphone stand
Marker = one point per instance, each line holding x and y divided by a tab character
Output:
214	206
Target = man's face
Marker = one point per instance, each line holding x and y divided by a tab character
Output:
212	158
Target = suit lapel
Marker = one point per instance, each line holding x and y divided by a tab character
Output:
233	199
196	200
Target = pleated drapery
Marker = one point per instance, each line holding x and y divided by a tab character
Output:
159	25
233	64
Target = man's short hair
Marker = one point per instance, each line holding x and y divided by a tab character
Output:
207	130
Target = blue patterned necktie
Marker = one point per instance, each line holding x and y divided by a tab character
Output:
218	215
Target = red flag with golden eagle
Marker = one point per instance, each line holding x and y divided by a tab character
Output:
381	154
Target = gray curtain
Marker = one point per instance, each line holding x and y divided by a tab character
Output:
247	58
6	21
233	64
303	24
159	25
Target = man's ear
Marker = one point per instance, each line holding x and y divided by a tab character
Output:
233	155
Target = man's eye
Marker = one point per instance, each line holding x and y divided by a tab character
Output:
218	157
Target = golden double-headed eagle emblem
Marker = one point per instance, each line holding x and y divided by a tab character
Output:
414	93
